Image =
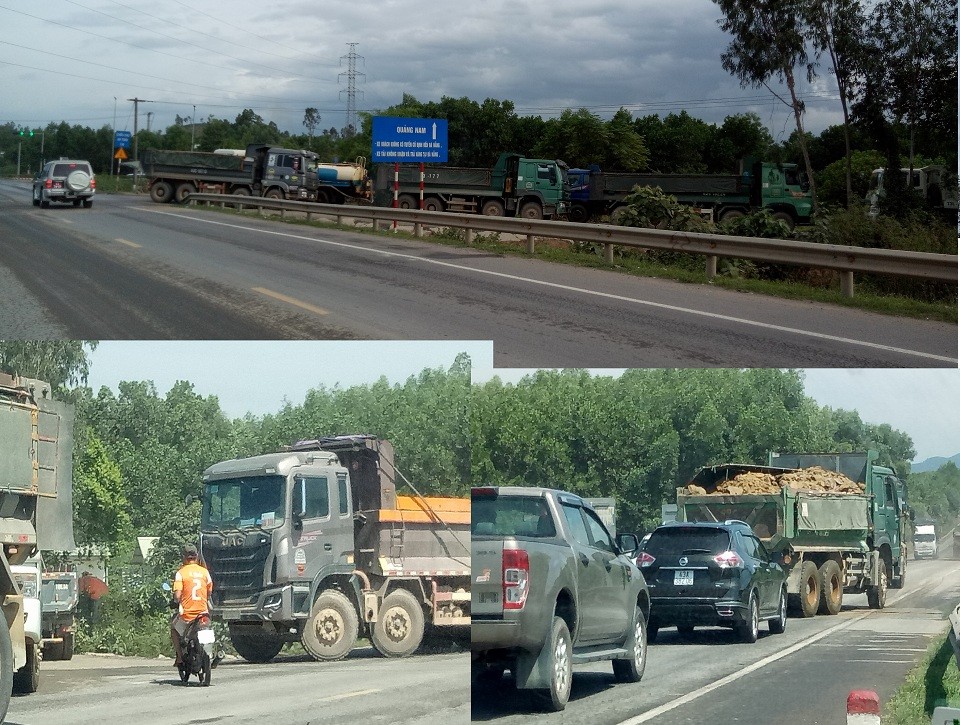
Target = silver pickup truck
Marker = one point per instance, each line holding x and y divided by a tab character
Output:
551	589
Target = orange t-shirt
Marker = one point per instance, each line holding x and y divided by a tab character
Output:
194	584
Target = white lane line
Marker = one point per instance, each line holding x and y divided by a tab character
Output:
738	675
580	290
129	243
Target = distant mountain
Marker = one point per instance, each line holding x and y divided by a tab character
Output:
932	464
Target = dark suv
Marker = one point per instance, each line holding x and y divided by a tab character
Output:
65	180
713	574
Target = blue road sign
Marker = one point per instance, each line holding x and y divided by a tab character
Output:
409	139
121	139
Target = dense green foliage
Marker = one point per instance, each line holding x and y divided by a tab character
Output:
936	494
934	681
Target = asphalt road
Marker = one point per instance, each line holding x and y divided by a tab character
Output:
364	688
801	677
131	269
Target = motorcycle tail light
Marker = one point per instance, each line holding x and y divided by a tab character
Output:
204	619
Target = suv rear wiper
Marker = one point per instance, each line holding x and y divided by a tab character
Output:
697	551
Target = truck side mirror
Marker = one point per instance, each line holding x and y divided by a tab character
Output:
297	521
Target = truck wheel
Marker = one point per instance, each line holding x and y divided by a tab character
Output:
398	630
432	204
531	210
579	213
785	218
749	629
255	649
877	595
809	589
730	214
831	588
6	670
493	207
778	625
560	665
183	189
900	581
161	192
273	193
27	678
631	670
406	201
331	631
66	649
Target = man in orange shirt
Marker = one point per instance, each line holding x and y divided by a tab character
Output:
191	588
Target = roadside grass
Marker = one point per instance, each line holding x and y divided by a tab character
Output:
934	681
815	286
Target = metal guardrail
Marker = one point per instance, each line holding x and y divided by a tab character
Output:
845	259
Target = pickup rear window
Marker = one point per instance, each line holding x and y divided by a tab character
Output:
511	516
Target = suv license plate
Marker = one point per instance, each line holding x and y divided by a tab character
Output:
683	578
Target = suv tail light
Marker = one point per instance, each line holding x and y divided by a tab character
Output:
93	183
644	559
729	560
516	578
48	184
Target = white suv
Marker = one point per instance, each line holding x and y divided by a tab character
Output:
65	180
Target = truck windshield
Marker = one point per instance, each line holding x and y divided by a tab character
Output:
925	538
242	502
511	516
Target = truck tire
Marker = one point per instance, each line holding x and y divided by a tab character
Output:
161	192
559	649
407	201
631	670
809	589
432	204
579	213
877	595
6	671
900	581
398	630
253	648
730	214
273	193
492	207
183	189
778	625
27	678
831	588
785	218
749	629
66	649
331	631
531	210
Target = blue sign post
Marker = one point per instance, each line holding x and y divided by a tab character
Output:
406	140
121	140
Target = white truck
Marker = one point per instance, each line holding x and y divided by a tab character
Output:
932	182
925	541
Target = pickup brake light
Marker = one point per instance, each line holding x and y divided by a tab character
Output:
516	578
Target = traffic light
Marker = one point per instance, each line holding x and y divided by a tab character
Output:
25	131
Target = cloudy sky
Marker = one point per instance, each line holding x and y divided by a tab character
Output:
258	377
80	61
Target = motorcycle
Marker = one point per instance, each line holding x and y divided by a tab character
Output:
200	650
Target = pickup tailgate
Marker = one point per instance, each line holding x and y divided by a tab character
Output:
486	563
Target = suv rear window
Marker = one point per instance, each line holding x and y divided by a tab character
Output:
511	516
679	540
65	169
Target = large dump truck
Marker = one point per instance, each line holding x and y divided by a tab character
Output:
59	598
260	170
781	188
314	545
36	511
850	539
516	186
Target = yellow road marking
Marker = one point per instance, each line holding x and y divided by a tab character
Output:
129	244
291	301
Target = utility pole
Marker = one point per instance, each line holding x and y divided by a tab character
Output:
193	127
352	75
149	119
113	140
136	116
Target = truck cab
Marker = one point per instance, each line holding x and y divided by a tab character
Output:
925	541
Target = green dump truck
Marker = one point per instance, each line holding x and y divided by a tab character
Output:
515	186
833	543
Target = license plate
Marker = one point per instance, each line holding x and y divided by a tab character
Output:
683	578
205	636
489	597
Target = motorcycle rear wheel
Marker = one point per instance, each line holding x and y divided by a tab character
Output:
205	669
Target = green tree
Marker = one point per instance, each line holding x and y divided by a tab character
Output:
101	508
769	42
311	120
62	363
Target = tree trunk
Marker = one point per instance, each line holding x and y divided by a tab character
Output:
798	115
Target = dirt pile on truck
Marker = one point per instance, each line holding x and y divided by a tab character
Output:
806	479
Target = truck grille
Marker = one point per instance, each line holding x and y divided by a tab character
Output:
237	569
